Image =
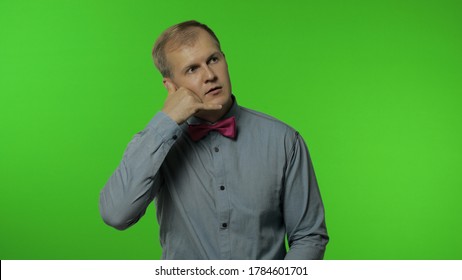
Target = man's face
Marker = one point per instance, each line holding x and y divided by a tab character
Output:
201	68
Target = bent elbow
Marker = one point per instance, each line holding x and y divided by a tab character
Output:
111	218
115	222
118	215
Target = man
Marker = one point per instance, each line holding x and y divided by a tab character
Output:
229	182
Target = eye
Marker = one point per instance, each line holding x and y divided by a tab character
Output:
191	69
213	59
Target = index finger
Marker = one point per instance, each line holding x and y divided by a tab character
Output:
209	106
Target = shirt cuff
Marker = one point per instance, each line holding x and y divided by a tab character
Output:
165	127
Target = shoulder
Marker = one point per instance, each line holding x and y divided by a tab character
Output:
265	125
249	115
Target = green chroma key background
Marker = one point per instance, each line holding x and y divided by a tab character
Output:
374	87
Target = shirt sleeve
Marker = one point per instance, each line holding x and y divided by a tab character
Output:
135	182
302	206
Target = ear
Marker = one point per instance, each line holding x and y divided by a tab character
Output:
169	85
165	81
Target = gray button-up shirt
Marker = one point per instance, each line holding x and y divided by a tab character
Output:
220	198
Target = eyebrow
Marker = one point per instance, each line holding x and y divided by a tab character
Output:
197	65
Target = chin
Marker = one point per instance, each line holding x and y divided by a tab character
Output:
221	99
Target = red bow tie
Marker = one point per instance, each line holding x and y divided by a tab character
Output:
226	127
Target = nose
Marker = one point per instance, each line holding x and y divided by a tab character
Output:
209	75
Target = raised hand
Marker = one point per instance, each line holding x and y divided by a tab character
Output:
182	103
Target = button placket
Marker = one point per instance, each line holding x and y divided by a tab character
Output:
222	199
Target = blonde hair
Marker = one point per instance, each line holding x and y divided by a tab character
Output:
177	35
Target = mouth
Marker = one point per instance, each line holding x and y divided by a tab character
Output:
214	90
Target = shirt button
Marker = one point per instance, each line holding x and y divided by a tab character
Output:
224	225
222	188
174	137
216	149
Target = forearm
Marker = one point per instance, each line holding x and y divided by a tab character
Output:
135	182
